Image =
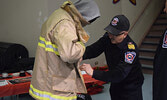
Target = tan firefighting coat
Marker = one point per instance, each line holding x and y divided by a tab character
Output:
55	74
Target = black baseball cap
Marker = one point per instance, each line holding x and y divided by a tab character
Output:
118	24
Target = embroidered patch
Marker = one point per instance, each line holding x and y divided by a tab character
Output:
129	57
131	45
164	44
115	21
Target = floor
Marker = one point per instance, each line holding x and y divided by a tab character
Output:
147	92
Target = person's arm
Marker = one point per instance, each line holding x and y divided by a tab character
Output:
165	9
69	48
114	76
117	74
96	48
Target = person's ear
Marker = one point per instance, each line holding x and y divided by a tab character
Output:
125	34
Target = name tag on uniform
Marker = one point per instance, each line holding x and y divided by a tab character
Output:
129	57
164	44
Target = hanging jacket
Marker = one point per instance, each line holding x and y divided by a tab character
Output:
56	75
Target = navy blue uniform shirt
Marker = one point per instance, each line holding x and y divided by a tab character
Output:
122	60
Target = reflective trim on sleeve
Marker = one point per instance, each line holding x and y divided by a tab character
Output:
48	45
82	44
43	95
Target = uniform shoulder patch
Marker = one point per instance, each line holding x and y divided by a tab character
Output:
131	45
130	56
164	44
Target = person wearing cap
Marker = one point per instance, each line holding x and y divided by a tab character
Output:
56	74
122	57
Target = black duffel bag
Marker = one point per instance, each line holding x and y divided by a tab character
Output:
10	54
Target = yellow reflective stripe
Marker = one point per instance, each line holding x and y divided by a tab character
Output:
37	97
48	45
47	42
41	45
82	44
41	38
43	95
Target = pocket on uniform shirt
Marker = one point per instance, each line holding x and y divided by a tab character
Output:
63	84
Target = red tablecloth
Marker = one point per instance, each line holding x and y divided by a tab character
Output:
15	89
93	86
21	88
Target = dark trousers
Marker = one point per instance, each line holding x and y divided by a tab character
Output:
160	76
117	92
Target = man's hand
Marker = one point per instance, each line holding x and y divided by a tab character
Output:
87	68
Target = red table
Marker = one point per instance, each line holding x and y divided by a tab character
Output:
15	89
21	88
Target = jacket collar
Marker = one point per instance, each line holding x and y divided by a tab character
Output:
78	19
